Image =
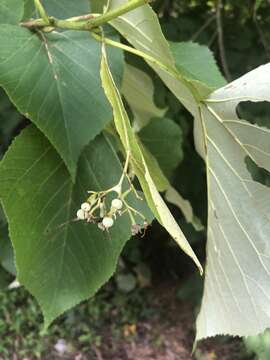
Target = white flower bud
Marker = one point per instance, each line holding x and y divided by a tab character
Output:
85	206
81	215
101	226
107	222
117	204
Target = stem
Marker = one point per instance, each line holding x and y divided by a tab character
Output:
130	208
139	53
203	27
219	7
261	33
42	11
167	68
132	219
79	23
124	170
113	14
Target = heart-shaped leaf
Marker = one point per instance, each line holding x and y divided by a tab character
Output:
54	80
11	11
61	9
236	298
139	163
60	264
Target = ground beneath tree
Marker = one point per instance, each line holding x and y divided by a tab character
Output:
167	335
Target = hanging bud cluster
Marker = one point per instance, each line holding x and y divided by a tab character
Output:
95	210
99	210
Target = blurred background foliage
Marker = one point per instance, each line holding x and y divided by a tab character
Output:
238	34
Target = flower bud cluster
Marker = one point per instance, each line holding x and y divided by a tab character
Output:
96	210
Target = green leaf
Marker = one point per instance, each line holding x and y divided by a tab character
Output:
11	11
197	64
97	5
184	78
258	345
60	9
237	288
258	4
141	28
163	137
131	145
59	265
54	80
64	9
138	90
175	198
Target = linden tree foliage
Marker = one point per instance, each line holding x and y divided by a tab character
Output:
60	265
64	67
238	268
11	11
86	175
61	9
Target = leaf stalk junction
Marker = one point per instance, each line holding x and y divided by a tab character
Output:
86	22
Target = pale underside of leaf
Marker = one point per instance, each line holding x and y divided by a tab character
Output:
236	298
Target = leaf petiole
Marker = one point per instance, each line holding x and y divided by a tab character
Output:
86	22
40	8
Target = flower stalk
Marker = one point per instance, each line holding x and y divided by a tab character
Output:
42	11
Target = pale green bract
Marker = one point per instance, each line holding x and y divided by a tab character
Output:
140	166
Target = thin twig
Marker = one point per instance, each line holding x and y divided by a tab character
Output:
97	353
212	39
219	7
261	33
203	27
